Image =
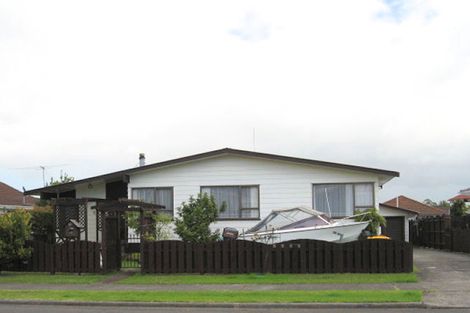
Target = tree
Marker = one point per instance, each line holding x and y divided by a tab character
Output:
63	178
194	218
458	208
441	204
430	202
15	229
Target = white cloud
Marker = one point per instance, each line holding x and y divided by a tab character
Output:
252	28
93	83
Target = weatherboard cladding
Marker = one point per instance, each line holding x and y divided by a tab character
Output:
281	184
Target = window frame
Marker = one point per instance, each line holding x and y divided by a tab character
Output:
155	196
239	218
355	207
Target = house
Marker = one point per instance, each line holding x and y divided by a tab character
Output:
250	183
400	210
412	205
463	195
10	198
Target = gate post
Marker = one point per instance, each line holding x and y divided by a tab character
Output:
141	246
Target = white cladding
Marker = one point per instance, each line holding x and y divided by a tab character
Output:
92	190
281	184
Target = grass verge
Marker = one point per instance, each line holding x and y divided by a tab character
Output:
270	279
42	278
289	296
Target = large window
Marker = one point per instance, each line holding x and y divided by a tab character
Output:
159	195
241	202
339	200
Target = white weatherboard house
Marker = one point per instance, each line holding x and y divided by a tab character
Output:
250	183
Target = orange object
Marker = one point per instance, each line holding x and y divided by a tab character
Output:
379	237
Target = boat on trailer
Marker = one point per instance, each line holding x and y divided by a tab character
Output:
304	223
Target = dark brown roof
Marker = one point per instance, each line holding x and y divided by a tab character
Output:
11	196
121	174
405	203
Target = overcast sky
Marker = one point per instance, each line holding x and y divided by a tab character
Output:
87	85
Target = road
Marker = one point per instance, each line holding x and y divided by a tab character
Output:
22	308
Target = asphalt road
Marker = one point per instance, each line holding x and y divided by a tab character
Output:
22	308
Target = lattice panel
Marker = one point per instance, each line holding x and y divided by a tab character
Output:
64	213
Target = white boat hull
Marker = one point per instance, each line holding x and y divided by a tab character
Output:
339	232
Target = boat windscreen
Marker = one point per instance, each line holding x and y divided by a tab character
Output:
308	222
279	219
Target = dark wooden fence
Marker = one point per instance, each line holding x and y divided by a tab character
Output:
301	256
442	232
72	257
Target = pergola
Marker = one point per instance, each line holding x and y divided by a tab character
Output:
66	209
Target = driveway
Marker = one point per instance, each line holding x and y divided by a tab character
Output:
445	276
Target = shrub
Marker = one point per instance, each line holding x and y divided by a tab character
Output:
157	225
15	229
42	223
194	218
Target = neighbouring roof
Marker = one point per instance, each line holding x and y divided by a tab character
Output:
408	204
460	197
463	195
11	196
121	174
383	205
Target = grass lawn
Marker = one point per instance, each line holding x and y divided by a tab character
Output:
271	279
42	278
289	296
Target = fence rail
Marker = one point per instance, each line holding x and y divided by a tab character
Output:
301	256
72	257
442	232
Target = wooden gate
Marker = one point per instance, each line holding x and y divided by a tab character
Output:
111	244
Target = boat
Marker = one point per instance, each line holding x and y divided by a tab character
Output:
304	223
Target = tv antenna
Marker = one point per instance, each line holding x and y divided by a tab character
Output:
254	139
41	168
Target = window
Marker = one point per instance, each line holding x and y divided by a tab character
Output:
241	202
161	196
340	200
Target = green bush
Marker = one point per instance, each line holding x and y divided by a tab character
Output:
458	208
15	229
194	218
157	225
42	223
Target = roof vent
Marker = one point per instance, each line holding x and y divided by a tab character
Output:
141	159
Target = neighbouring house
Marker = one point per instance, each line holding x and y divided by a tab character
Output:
10	198
400	210
463	195
250	183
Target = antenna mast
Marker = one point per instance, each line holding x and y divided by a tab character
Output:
254	139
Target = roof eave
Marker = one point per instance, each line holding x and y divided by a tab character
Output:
115	175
